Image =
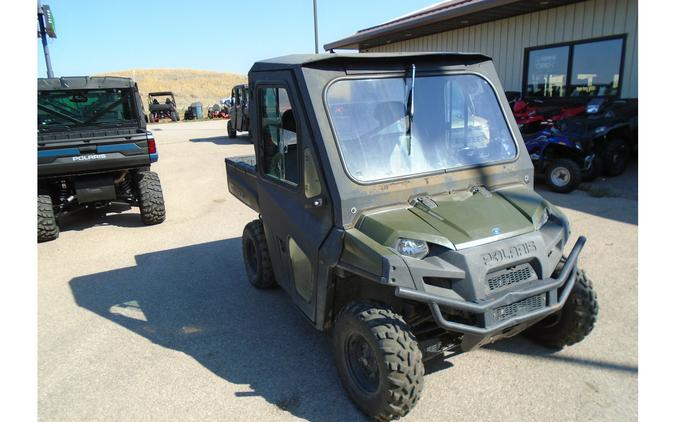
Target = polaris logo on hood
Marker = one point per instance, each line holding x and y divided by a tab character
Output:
89	157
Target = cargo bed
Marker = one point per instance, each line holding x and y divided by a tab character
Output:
242	180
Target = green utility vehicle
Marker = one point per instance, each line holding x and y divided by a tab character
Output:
397	210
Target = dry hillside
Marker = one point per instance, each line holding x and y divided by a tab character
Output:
188	85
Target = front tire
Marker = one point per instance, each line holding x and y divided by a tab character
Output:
231	132
47	229
594	171
575	320
150	197
257	256
378	360
563	175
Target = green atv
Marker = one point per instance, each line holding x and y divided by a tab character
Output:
397	210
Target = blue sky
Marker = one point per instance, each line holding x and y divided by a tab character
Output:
99	36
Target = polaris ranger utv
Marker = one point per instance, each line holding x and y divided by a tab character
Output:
93	149
397	210
164	108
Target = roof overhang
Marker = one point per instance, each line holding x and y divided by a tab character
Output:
445	16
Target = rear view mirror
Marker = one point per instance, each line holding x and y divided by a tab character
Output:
78	98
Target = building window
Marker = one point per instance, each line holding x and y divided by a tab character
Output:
580	69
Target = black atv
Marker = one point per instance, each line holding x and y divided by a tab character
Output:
93	149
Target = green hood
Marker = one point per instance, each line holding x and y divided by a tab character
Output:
455	220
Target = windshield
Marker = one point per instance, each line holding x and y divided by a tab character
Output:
457	123
67	109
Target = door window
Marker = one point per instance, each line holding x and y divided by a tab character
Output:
280	151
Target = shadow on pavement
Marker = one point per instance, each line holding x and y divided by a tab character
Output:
196	300
521	346
111	215
224	140
604	197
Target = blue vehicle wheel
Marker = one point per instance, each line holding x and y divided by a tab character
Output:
563	175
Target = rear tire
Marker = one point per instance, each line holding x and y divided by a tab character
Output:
575	320
257	256
563	175
378	360
47	229
231	132
150	197
174	116
615	156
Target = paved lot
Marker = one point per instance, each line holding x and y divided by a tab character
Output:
159	323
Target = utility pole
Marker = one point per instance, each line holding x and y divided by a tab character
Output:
316	31
42	10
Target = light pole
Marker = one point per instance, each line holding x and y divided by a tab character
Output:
316	31
42	11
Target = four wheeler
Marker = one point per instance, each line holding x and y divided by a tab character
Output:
396	208
93	149
162	105
610	129
239	120
563	162
531	115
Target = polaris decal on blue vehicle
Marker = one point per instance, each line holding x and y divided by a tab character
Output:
89	157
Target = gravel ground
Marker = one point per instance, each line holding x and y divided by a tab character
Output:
159	323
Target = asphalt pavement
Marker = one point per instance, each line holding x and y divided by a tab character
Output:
159	323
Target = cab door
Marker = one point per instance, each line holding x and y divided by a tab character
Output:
293	199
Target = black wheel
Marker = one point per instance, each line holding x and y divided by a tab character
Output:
150	197
378	360
47	229
174	116
615	155
594	171
257	256
230	130
563	175
575	320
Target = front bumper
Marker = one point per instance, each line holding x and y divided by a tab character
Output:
556	291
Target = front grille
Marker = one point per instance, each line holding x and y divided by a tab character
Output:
511	275
522	307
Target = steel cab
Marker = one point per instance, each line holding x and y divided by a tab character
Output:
403	178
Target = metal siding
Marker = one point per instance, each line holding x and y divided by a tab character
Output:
505	40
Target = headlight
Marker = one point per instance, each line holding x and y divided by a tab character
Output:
413	248
578	145
543	219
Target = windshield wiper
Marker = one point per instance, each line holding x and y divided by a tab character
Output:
410	110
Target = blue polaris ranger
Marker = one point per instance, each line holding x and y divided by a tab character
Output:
93	149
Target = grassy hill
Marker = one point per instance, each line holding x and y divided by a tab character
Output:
188	85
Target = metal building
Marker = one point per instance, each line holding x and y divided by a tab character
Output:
555	48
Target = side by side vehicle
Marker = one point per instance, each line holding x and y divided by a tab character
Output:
396	208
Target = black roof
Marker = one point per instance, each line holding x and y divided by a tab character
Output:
306	60
160	93
83	82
